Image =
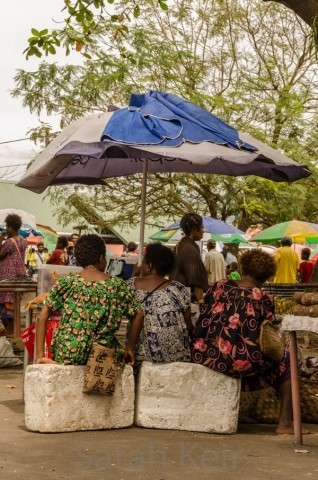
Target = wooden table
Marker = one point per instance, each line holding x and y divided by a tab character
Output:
17	287
292	324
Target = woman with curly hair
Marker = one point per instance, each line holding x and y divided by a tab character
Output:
12	258
92	304
226	337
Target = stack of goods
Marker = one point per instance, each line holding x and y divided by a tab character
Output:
284	306
306	304
263	406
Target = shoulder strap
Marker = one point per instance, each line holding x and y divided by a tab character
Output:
150	293
18	250
41	259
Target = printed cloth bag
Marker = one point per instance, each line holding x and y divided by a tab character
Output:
100	372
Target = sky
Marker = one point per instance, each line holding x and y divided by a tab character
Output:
16	20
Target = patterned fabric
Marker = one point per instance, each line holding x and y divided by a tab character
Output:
100	372
12	265
226	335
164	337
91	311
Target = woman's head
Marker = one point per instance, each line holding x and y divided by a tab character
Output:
90	250
61	242
13	223
259	265
192	223
159	259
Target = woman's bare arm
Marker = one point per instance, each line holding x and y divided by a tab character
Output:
134	332
40	335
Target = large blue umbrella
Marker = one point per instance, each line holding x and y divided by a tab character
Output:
157	132
211	225
162	119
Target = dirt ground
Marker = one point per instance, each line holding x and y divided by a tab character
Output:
255	452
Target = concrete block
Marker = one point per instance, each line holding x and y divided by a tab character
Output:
186	396
54	401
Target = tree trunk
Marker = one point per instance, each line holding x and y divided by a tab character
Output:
307	10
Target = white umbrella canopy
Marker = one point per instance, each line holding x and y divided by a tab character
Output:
28	221
202	144
77	155
26	217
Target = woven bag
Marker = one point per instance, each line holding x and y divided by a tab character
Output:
100	372
271	342
266	409
309	400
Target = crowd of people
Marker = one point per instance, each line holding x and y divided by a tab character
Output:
157	303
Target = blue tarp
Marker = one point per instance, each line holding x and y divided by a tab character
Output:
161	119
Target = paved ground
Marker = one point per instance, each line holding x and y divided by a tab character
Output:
255	453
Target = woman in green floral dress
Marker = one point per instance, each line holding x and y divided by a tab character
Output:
92	304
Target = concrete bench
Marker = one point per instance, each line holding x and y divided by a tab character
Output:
186	396
54	401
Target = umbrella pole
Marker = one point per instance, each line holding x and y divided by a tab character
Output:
143	210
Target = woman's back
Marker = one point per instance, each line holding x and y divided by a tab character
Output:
91	310
164	337
228	328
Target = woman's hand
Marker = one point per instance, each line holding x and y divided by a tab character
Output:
129	356
42	360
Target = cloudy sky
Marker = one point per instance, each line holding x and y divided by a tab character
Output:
16	20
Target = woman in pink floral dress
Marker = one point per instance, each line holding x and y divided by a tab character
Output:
12	255
226	335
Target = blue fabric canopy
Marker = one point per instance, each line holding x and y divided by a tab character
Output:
161	119
211	225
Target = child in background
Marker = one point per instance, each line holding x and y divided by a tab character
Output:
306	266
234	273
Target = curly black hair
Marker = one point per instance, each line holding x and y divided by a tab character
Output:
14	221
189	222
258	264
161	258
88	250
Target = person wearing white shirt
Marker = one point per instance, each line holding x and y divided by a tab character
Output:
40	255
214	263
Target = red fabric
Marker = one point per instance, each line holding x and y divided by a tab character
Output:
56	258
12	264
28	335
306	269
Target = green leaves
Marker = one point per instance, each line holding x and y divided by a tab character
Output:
252	65
42	40
163	5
